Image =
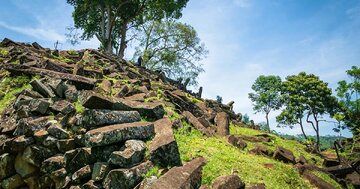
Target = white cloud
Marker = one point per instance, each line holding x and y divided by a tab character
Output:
39	33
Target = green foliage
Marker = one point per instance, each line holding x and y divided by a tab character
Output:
3	52
267	95
110	20
246	119
348	93
79	107
306	95
219	99
171	47
11	86
222	159
155	171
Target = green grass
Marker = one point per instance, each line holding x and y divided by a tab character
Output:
11	86
79	107
297	148
223	159
155	171
3	52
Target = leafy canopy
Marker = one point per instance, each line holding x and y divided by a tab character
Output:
172	47
266	96
348	93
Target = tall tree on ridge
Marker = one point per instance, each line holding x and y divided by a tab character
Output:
267	95
110	20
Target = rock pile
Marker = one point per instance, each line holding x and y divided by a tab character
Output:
66	131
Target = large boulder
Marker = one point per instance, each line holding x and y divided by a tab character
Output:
163	148
222	124
52	164
28	126
133	153
100	170
126	178
93	117
284	155
261	150
228	182
119	133
187	176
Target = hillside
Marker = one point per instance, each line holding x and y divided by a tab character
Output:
83	119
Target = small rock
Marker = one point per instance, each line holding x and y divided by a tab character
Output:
228	182
65	145
82	174
78	158
133	153
52	164
236	141
41	88
39	106
99	171
284	155
63	106
126	178
6	165
56	131
23	168
13	182
60	178
177	177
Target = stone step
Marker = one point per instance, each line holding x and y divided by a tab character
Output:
119	133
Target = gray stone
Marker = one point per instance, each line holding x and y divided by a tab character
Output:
222	124
133	153
78	158
28	126
52	164
56	131
93	117
63	106
119	133
228	182
23	168
100	170
13	182
39	106
187	176
41	88
82	174
163	148
126	178
6	165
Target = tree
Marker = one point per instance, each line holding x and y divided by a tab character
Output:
246	119
267	95
109	20
348	94
172	47
219	99
305	95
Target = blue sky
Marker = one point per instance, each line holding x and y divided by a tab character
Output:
246	38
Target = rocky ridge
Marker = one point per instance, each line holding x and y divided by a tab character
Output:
88	120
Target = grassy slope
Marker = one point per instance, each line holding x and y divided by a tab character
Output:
223	159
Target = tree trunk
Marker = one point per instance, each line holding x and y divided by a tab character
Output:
317	133
302	129
267	121
122	40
